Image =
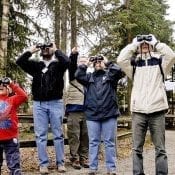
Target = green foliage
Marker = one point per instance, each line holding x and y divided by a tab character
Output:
112	25
116	24
21	28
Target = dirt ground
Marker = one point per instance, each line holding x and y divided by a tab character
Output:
29	158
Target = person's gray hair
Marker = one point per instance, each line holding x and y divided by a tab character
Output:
82	57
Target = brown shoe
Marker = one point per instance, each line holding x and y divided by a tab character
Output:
84	163
76	165
91	173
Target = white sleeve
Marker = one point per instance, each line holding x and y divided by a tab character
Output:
124	59
168	56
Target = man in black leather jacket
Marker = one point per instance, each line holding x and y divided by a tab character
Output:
47	91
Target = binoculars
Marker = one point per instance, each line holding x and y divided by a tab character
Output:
44	46
96	58
5	81
144	38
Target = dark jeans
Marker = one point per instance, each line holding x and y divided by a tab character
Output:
11	149
156	124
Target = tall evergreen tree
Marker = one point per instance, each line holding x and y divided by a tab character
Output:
4	35
118	24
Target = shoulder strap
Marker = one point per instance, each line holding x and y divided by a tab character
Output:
76	87
161	69
133	64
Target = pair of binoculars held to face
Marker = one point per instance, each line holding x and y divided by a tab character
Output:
44	46
96	58
5	81
141	38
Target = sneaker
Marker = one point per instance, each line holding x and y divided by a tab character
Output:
61	169
76	165
44	170
84	163
111	173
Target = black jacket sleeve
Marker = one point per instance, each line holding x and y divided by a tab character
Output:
29	66
81	76
72	65
62	58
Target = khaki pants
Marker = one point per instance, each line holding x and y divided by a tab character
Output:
77	136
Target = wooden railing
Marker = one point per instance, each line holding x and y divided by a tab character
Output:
28	118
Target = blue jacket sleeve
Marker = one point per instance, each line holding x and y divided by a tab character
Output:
115	73
81	76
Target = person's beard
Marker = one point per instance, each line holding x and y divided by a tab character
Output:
46	54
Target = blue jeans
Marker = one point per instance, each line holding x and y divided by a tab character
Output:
11	149
44	113
156	124
106	129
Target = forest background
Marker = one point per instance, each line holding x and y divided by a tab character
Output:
96	26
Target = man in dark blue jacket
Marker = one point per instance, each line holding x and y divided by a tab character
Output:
101	109
47	90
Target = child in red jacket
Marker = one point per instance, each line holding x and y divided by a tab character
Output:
9	124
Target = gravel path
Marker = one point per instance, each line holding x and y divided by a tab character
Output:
125	165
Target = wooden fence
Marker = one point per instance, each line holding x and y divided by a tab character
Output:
31	143
124	122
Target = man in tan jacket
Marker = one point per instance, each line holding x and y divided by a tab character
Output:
77	129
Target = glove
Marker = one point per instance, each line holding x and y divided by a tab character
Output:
6	81
153	41
135	42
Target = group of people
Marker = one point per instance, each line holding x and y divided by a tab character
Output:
90	105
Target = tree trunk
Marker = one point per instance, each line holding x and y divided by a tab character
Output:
57	22
129	81
63	18
73	23
4	36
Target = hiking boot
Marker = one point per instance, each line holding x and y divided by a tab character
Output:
84	163
61	169
76	165
44	170
92	172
